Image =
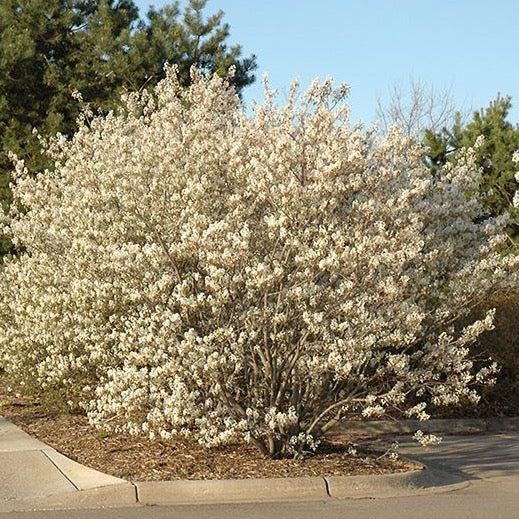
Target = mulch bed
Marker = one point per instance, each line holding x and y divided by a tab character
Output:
140	459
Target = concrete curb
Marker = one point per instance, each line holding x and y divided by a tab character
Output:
122	495
193	492
231	490
425	481
184	492
445	426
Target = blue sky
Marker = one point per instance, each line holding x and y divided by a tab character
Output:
469	46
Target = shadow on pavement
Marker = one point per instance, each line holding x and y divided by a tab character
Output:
479	457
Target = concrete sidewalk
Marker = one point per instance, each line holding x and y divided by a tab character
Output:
34	475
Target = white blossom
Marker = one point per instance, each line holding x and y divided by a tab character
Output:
187	269
426	439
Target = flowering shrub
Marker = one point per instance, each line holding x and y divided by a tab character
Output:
189	269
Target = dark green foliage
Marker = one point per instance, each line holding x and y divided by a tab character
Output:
494	156
50	48
196	41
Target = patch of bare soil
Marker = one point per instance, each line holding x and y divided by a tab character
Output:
137	458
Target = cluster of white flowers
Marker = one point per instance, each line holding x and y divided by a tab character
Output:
426	440
189	269
515	201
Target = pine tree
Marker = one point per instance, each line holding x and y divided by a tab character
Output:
188	39
494	157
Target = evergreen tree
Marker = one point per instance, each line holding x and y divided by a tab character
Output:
188	39
46	52
494	156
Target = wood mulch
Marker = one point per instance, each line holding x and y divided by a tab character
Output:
140	459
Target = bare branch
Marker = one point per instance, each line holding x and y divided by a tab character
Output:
416	108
